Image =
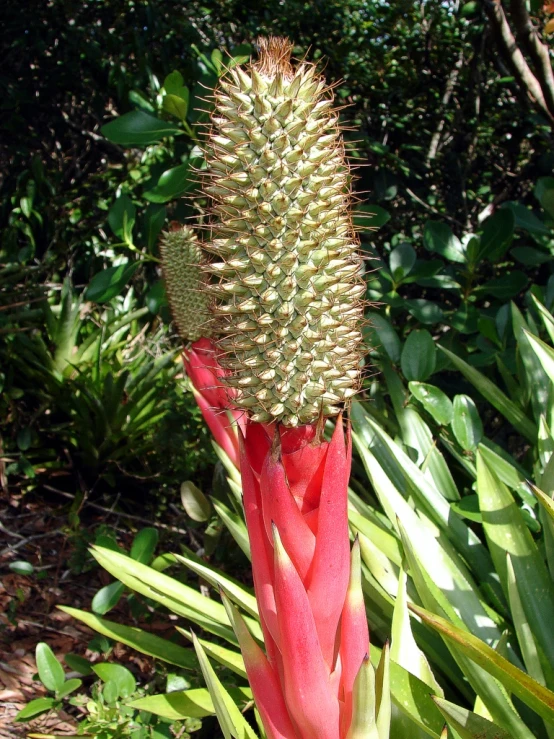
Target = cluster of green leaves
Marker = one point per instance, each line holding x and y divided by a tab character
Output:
93	373
108	708
458	562
89	384
463	285
97	362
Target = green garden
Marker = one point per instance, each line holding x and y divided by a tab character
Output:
277	369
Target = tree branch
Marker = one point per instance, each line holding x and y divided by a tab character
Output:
538	52
514	57
449	89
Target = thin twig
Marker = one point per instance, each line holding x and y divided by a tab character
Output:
26	540
111	512
430	207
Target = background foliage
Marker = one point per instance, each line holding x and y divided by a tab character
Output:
103	106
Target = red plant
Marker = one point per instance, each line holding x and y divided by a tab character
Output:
205	374
309	597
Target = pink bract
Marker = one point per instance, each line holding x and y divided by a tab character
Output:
295	488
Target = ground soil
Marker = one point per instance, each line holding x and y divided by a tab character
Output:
36	530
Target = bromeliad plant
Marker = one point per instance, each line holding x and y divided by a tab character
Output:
288	313
483	626
183	262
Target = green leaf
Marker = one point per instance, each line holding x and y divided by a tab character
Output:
523	629
435	402
119	675
174	83
134	637
424	310
468	507
171	185
235	524
154	218
175	106
409	694
389	477
465	319
418	357
466	423
504	287
529	256
469	725
50	671
544	352
107	598
227	657
195	503
138	128
396	472
546	317
383	335
490	691
35	708
401	261
232	723
383	705
498	234
76	662
122	217
110	282
536	696
363	725
369	217
404	650
384	541
70	686
139	99
24	438
110	692
232	589
544	192
535	377
438	238
527	220
144	544
100	644
507	533
21	568
156	297
195	703
490	391
546	502
178	597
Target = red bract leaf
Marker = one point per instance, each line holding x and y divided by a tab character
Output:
354	636
263	681
205	373
280	507
257	442
310	701
331	563
304	461
221	427
260	548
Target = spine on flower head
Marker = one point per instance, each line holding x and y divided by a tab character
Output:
288	281
185	281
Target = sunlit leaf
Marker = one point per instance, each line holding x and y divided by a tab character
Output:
539	698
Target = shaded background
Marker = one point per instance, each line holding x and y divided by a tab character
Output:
100	103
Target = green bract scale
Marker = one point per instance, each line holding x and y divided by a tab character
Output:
288	298
185	281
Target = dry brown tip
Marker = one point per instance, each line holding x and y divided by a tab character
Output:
274	56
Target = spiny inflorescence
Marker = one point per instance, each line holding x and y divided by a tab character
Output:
288	294
182	264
